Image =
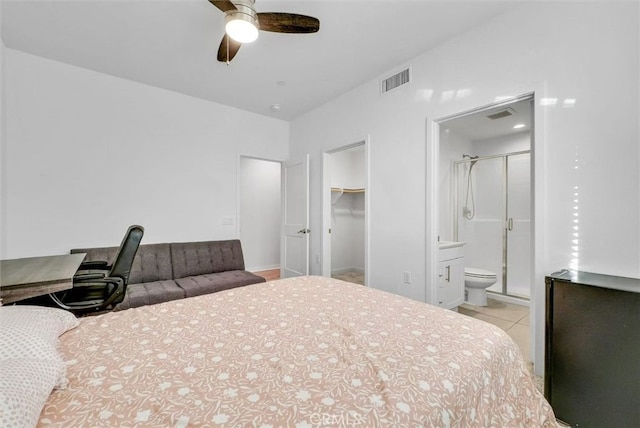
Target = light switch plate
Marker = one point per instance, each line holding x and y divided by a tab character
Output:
407	277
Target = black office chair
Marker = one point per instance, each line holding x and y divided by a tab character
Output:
98	285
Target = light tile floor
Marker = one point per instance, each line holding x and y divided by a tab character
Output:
513	319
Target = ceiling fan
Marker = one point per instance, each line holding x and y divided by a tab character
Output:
243	23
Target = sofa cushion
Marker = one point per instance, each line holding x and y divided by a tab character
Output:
197	258
150	293
152	261
214	282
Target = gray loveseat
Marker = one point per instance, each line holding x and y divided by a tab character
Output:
163	272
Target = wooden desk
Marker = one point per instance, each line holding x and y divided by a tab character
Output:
35	276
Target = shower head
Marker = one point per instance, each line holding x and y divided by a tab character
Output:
473	160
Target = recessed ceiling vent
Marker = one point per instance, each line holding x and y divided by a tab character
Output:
502	113
396	80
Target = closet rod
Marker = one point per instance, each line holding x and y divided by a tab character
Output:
339	189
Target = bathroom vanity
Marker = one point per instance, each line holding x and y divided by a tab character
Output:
450	274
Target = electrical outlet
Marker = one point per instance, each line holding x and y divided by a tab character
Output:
227	221
407	277
317	258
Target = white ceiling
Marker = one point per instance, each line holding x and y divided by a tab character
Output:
478	127
172	44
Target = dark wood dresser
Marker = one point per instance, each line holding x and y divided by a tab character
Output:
592	354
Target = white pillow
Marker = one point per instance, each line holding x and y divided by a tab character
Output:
31	364
25	386
48	323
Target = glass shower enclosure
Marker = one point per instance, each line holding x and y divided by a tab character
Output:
492	215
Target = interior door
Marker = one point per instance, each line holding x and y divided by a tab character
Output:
326	215
294	243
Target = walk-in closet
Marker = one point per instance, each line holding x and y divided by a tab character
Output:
348	172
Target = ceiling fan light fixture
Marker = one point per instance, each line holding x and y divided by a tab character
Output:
242	26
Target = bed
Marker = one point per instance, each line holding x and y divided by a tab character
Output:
298	352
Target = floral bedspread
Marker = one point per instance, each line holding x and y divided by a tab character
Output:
298	352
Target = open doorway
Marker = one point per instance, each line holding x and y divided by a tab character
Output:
260	215
345	213
486	195
540	229
446	198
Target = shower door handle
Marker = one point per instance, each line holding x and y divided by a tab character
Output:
510	224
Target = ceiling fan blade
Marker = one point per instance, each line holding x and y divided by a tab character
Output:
288	23
223	5
224	54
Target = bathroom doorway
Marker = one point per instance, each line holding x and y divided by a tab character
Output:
485	194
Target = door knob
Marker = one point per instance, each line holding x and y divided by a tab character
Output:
304	231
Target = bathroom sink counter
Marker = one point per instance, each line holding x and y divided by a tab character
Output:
442	245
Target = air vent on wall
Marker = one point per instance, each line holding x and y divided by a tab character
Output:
395	81
502	113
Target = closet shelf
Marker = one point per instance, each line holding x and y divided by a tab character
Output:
336	192
340	189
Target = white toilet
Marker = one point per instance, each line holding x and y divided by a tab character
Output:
476	282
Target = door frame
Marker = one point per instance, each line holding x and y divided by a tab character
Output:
538	94
325	259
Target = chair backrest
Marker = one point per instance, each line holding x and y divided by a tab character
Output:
121	266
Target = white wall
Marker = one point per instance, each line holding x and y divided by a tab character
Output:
587	52
348	168
88	154
260	213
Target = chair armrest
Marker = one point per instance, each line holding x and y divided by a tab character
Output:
114	289
83	277
101	280
94	264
